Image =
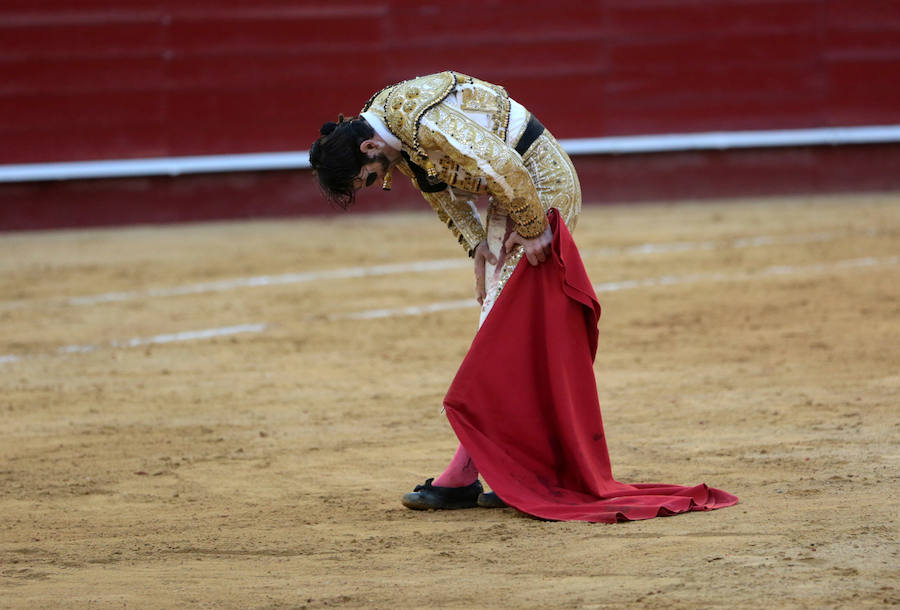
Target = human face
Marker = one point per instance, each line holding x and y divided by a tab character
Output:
372	172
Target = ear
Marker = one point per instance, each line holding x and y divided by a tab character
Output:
370	145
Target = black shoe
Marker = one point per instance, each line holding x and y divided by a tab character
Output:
428	496
490	500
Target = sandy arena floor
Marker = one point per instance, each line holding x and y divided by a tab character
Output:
751	345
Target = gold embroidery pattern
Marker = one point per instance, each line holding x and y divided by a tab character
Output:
499	227
557	186
489	99
407	102
554	178
463	219
401	107
509	265
454	210
476	160
480	152
457	177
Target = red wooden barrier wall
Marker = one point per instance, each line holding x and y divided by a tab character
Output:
102	79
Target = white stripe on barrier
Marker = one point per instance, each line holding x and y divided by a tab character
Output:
723	140
159	166
719	140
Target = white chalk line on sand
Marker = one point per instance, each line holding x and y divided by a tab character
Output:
372	314
273	280
189	335
415	267
666	280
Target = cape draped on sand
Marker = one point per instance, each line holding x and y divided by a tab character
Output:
524	403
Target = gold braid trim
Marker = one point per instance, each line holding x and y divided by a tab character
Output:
405	104
481	153
530	223
481	96
455	212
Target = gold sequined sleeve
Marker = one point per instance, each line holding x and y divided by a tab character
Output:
456	210
459	213
482	153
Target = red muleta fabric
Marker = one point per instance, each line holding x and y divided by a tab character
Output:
524	403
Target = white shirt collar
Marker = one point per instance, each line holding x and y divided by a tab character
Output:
381	129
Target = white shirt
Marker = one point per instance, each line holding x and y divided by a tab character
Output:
382	130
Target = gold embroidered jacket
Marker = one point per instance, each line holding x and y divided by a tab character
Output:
452	158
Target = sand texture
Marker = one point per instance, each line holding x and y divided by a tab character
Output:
751	345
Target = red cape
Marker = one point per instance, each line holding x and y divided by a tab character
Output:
524	403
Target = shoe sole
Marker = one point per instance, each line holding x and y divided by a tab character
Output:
420	504
491	501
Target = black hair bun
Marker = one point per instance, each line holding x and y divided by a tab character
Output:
327	128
